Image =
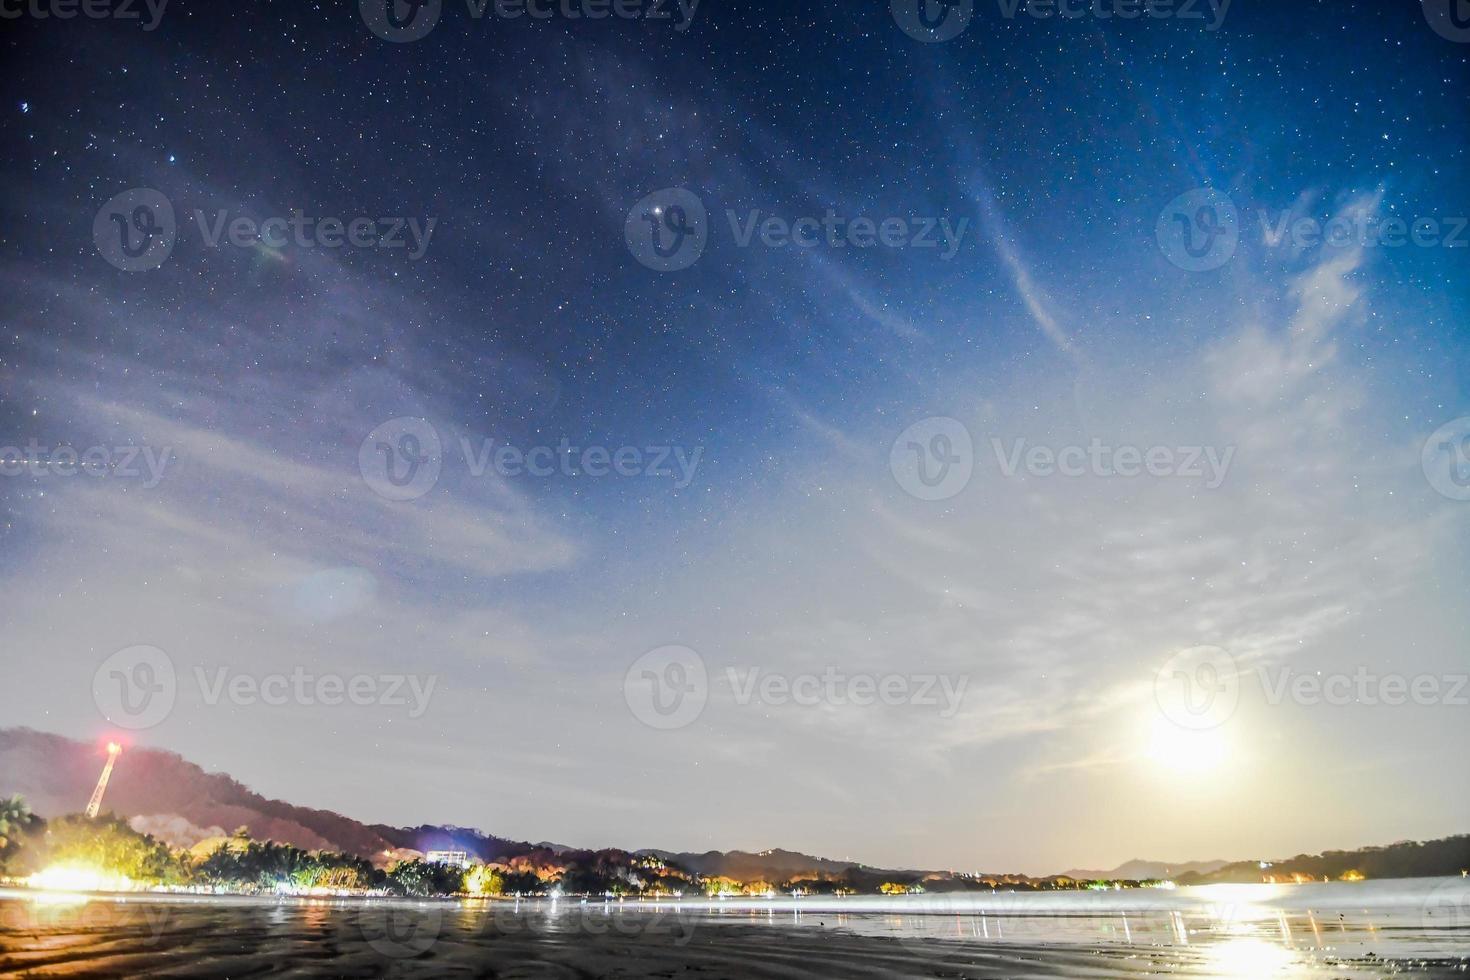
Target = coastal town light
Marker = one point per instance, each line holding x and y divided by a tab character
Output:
77	877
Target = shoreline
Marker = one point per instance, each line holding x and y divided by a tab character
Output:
1378	895
147	936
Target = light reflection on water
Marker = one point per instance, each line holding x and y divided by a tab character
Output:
1363	930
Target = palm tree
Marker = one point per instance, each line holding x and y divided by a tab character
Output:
15	816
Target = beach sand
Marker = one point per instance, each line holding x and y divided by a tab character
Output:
332	938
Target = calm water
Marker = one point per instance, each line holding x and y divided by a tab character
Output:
1332	932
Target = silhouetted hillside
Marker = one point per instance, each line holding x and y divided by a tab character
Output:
165	795
774	865
1406	859
56	776
1141	870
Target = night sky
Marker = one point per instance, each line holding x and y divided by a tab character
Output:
1062	315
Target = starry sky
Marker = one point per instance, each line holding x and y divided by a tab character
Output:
793	548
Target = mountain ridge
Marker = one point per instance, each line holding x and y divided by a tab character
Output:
161	793
179	801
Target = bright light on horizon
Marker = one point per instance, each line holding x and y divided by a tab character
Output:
75	877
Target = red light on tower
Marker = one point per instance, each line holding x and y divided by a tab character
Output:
95	804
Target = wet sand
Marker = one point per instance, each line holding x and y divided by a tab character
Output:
147	937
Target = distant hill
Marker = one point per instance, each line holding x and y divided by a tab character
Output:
774	865
1139	870
1406	859
56	776
162	794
